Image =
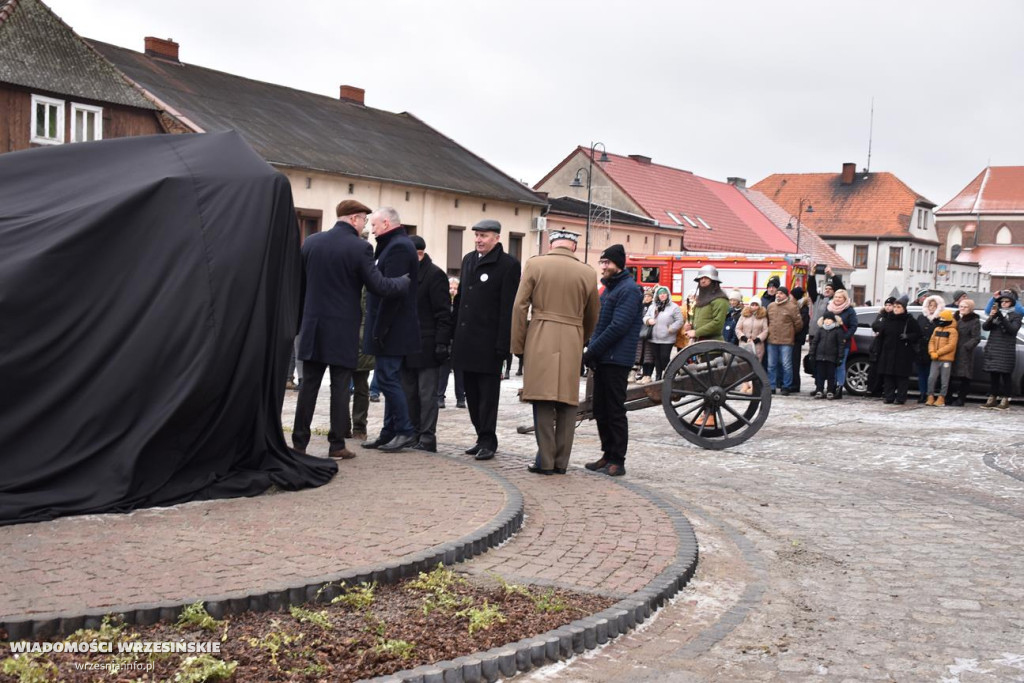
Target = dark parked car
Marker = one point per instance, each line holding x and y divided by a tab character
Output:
857	364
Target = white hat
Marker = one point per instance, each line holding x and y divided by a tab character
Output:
735	294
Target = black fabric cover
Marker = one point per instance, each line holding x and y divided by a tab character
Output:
149	296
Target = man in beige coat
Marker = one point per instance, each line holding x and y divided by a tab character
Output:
563	295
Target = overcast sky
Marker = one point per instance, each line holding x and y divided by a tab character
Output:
733	88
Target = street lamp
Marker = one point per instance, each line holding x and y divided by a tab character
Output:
577	183
799	215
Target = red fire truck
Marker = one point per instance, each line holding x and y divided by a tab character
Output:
748	273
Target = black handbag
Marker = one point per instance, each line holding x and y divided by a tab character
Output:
809	364
646	331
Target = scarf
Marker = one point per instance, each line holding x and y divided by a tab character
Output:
836	308
712	292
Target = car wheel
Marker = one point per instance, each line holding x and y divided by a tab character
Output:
857	375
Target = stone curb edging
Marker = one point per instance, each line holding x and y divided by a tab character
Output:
584	634
990	460
322	589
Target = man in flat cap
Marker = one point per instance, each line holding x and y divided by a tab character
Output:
610	353
483	330
563	294
337	265
392	329
420	373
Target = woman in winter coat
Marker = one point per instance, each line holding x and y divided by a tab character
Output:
1001	348
666	318
930	309
968	325
874	378
752	327
846	317
644	347
735	309
899	337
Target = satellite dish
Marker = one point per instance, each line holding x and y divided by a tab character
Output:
955	251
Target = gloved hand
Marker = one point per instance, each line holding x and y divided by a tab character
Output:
743	338
589	360
757	340
441	353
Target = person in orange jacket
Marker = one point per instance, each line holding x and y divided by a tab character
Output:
942	351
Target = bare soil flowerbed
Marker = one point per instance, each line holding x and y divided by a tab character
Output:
367	631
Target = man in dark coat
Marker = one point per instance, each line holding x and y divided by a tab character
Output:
610	355
419	376
483	330
337	265
392	330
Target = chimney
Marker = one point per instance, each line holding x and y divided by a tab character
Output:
640	158
739	183
164	49
350	93
849	170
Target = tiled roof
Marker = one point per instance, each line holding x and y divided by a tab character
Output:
41	52
874	205
996	260
743	209
810	243
299	129
571	206
662	190
997	189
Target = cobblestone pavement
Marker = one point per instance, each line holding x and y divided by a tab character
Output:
232	547
846	541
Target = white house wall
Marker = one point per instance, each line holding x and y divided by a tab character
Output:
429	210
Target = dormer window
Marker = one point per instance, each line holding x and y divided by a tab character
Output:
47	120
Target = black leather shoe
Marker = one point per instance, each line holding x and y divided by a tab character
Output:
420	446
473	450
398	443
376	443
615	470
460	404
559	470
536	470
596	465
484	454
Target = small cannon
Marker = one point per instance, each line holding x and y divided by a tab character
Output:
715	394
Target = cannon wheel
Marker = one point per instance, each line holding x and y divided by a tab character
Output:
716	380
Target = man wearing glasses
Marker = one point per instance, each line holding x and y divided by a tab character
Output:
337	264
610	355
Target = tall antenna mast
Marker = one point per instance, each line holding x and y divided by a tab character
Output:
871	131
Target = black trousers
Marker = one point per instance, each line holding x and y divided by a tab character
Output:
420	386
798	368
312	376
482	392
1000	383
662	355
825	376
894	387
610	411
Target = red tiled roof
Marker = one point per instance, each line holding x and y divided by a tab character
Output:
810	243
875	204
734	199
996	260
997	189
661	189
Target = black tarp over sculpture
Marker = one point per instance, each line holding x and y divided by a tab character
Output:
149	295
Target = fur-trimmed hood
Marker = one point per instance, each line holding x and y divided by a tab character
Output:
941	306
761	311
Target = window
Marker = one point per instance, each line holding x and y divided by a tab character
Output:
86	123
895	258
515	245
858	295
920	219
1004	236
47	120
931	262
455	249
703	222
309	222
860	256
650	274
913	259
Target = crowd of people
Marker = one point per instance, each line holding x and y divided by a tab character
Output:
387	308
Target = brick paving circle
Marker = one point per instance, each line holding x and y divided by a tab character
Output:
379	509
